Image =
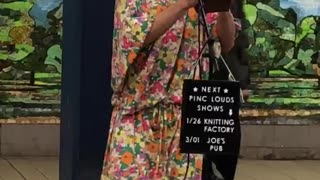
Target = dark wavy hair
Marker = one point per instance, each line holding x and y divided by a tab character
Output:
237	9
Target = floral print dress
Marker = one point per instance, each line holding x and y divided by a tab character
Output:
147	84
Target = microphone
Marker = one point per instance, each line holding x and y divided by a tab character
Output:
211	6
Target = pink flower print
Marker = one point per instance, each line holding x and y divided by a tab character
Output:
176	99
145	125
126	43
127	119
132	170
143	97
117	22
197	177
157	87
116	166
165	40
194	53
155	174
119	147
211	17
144	178
172	36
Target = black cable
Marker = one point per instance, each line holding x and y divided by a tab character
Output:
199	44
187	170
199	47
200	75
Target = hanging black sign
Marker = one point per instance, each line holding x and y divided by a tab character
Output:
210	117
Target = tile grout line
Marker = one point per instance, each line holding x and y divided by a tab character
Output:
22	176
39	170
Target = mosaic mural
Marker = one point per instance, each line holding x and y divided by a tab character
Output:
284	36
285	39
30	57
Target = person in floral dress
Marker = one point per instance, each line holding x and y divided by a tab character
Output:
155	47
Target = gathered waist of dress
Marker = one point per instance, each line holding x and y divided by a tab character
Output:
121	102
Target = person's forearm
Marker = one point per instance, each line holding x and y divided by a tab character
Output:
164	21
226	31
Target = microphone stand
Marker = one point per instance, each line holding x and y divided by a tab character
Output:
213	60
213	57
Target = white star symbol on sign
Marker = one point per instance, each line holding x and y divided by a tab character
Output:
226	91
195	89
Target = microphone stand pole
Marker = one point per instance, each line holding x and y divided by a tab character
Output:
213	61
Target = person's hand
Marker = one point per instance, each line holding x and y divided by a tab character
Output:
246	94
186	4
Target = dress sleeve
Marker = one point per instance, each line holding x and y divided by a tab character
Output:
133	22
